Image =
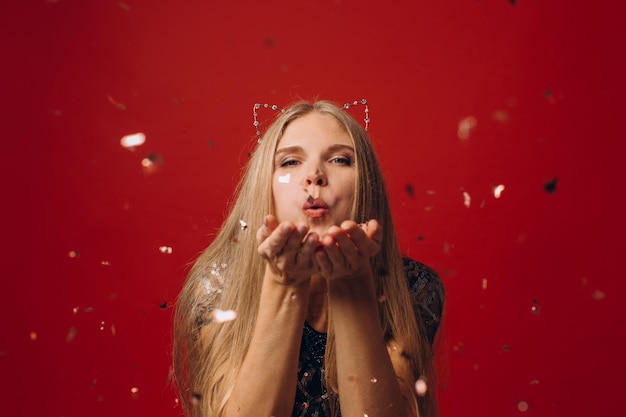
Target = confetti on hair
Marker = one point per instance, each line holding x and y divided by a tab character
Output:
421	386
243	224
222	316
133	140
284	179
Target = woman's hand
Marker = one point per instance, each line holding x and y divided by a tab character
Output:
348	248
288	249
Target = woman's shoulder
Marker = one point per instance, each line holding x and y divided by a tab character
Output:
427	293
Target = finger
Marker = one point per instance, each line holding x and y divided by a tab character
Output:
323	263
275	243
311	242
334	255
374	231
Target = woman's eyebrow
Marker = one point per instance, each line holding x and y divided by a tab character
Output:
331	148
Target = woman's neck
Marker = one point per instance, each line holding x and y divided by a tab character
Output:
317	307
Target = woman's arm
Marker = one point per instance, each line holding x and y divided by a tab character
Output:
266	382
367	380
368	383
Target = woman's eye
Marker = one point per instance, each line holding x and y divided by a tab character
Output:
288	162
341	160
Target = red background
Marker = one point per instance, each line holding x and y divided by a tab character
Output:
535	309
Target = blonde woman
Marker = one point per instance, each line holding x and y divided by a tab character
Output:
330	318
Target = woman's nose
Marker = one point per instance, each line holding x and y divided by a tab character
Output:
316	178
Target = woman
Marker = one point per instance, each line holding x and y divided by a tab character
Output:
330	319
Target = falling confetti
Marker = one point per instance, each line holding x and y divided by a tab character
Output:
506	348
522	406
166	249
284	179
164	305
73	254
151	162
410	190
71	334
101	325
120	106
467	200
133	140
221	316
550	186
598	295
105	263
501	116
497	190
484	283
33	336
373	380
466	126
536	308
421	387
134	392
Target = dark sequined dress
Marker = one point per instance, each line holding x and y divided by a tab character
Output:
312	397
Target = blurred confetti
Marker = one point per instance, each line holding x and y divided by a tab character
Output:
33	336
151	162
133	140
536	308
134	392
71	334
166	249
550	186
120	106
497	190
598	295
522	406
467	199
466	126
484	283
410	190
501	116
73	254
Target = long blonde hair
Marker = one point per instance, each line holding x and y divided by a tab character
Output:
228	276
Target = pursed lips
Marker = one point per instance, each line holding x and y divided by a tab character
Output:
315	207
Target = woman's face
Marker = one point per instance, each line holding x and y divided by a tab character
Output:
315	173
